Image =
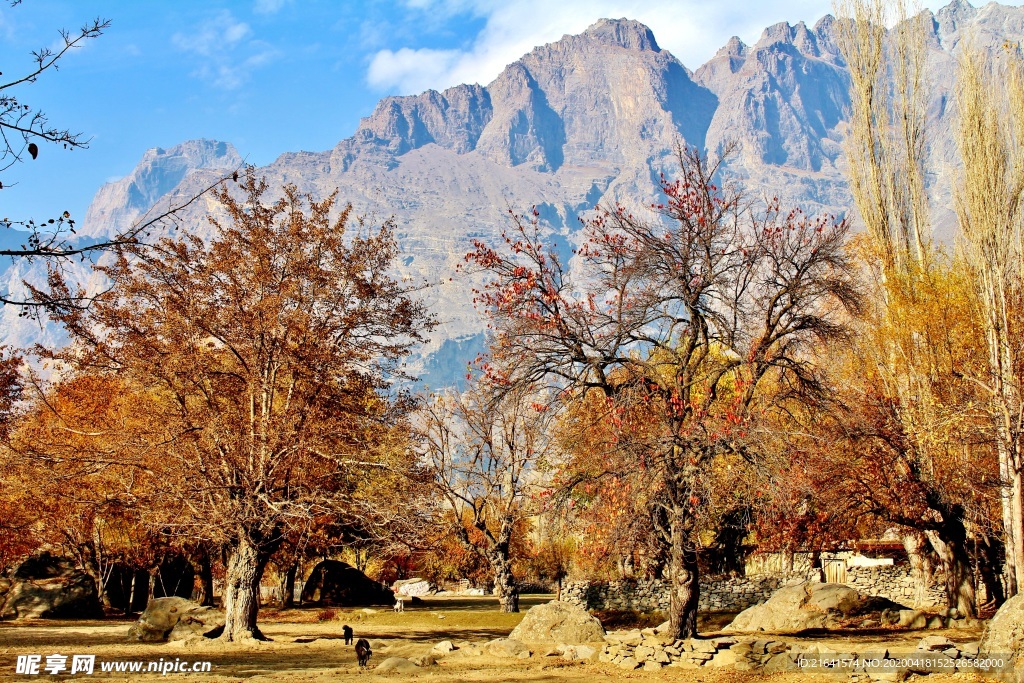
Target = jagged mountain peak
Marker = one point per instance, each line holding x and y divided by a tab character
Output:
957	11
734	48
588	119
624	33
120	203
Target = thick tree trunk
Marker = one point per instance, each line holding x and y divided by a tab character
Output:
950	544
241	592
505	586
685	593
989	563
288	585
916	546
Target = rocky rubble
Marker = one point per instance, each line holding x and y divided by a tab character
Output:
651	650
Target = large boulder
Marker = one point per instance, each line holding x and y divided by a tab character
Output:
337	584
45	586
558	623
1004	636
169	619
808	605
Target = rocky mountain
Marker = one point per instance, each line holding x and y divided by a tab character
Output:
588	119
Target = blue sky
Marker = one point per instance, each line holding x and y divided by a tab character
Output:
272	76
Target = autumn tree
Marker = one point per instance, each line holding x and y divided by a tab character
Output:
701	309
269	352
920	379
990	115
483	448
81	449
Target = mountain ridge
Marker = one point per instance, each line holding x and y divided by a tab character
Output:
586	119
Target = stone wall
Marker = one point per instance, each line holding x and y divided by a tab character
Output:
734	594
895	583
717	594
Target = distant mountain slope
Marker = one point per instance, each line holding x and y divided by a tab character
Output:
587	119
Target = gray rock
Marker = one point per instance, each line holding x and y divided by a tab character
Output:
1004	635
45	586
935	643
558	622
397	664
506	647
175	619
335	583
629	664
806	605
573	653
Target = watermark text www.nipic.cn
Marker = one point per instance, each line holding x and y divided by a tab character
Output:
35	665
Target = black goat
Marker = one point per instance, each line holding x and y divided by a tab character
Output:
363	651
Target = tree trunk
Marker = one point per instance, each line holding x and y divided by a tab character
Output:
205	573
1010	504
950	543
504	582
916	544
1017	550
685	592
241	592
627	567
288	586
140	591
989	562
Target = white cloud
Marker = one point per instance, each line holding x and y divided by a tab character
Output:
268	6
226	51
413	70
216	35
692	30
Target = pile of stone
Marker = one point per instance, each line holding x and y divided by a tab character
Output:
943	618
652	650
933	654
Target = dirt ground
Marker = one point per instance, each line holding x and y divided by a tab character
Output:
306	645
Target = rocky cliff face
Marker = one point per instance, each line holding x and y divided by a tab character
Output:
153	182
587	119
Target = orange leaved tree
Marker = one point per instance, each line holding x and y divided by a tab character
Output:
706	310
268	351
